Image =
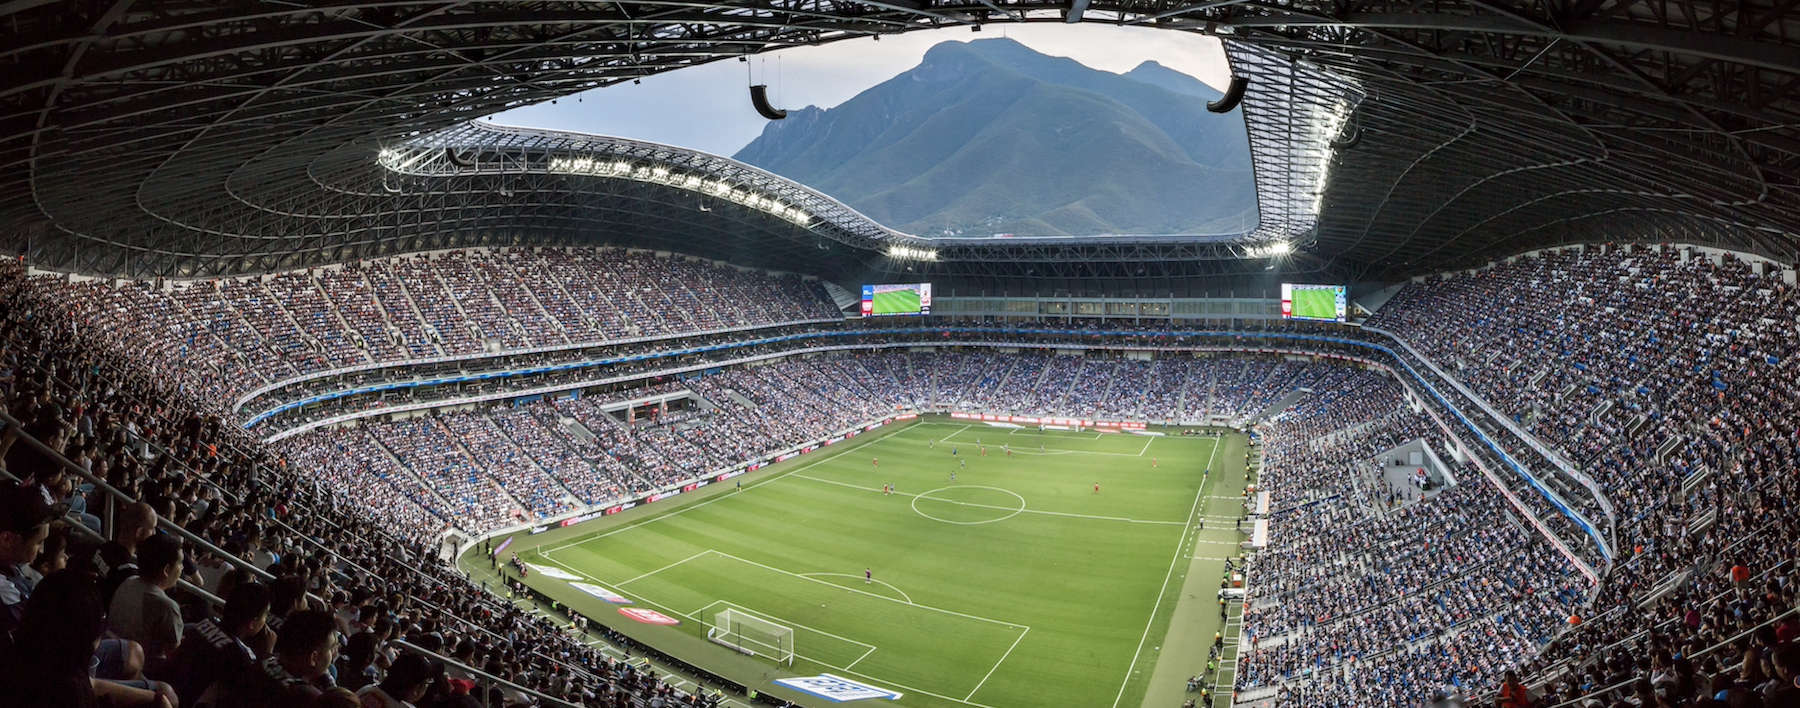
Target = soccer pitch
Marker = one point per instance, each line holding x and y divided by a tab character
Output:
1016	584
896	302
1320	304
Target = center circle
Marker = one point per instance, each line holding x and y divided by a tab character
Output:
968	505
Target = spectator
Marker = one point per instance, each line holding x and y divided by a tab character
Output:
24	524
142	610
53	644
218	649
407	681
296	674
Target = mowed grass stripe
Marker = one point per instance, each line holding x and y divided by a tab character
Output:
1083	587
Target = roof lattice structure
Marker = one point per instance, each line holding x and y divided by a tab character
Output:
193	138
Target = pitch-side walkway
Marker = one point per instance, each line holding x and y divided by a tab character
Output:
1183	653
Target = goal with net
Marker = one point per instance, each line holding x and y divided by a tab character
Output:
753	635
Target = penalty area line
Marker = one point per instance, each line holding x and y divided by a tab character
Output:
990	673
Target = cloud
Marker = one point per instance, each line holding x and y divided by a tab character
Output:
708	107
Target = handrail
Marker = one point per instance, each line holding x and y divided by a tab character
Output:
221	553
1698	654
76	525
170	526
552	700
1529	439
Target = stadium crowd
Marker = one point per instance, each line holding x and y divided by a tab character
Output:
1365	572
320	581
1667	375
255	331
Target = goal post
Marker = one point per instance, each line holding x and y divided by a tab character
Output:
753	635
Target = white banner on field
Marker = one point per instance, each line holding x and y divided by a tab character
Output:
837	688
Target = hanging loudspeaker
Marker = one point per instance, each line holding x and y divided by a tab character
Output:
759	96
458	160
1232	95
1348	142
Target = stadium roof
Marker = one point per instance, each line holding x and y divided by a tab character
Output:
191	139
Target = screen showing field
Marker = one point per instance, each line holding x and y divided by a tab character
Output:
908	299
1326	303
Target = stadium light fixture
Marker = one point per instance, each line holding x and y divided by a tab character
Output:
908	253
1273	250
667	176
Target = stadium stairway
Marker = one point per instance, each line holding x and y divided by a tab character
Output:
845	300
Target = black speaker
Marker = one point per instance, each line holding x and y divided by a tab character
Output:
458	160
759	96
1231	97
1349	142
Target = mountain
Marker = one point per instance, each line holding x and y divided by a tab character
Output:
1156	74
991	137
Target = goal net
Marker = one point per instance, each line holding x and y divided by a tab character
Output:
753	635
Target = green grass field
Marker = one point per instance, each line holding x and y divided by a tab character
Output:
896	302
1315	304
1014	585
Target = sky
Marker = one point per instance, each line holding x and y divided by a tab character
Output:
708	107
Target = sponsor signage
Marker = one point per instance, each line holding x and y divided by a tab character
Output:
835	440
691	487
535	530
601	593
552	571
837	688
786	456
906	416
659	496
648	616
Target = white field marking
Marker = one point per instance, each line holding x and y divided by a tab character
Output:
846	669
1044	452
997	664
927	495
952	433
914	689
990	506
852	575
1179	546
870	594
584	539
1057	434
859	659
659	570
698	615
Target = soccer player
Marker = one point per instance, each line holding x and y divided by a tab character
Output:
964	463
952	450
1152	462
984	451
868	576
953	475
1096	487
876	461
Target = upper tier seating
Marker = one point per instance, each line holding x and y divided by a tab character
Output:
253	331
1612	356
